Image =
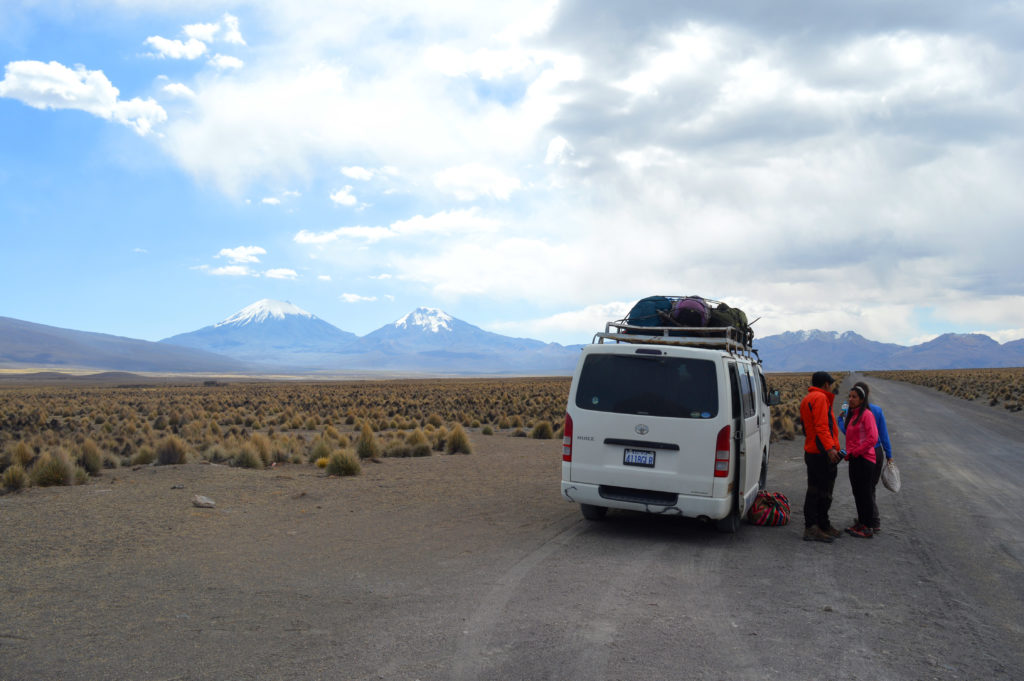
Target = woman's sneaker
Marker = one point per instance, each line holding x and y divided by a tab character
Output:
814	533
862	531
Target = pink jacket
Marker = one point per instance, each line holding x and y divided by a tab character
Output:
862	436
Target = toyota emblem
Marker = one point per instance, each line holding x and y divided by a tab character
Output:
642	429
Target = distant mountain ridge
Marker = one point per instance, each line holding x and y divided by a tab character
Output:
275	336
813	350
37	345
271	334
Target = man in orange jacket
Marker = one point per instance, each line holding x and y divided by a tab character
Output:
821	455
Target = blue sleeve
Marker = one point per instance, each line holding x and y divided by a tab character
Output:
883	432
842	423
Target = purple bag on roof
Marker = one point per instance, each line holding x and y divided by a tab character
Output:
690	311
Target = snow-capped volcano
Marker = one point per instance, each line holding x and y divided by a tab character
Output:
271	332
426	318
262	310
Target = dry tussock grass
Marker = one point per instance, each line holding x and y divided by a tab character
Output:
256	425
997	387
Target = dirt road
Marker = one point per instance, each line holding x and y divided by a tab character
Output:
472	567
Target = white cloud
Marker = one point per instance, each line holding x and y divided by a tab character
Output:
582	323
324	277
473	180
242	253
281	273
177	49
344	196
233	271
203	32
139	250
357	173
467	221
355	298
231	32
559	151
55	86
225	62
179	90
271	201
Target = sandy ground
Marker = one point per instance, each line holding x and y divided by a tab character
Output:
473	567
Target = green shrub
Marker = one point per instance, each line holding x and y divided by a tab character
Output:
367	446
90	457
343	463
487	430
458	441
542	431
14	478
171	451
53	468
435	420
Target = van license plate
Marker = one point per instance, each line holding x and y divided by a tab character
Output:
638	457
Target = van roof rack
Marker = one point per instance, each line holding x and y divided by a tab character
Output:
726	338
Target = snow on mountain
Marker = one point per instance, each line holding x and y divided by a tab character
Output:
426	318
272	333
262	310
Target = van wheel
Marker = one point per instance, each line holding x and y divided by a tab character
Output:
591	512
729	524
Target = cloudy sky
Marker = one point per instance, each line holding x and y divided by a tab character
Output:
530	167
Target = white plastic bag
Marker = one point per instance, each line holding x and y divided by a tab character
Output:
891	476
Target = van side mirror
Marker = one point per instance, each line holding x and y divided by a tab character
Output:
774	398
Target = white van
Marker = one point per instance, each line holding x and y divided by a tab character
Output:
667	423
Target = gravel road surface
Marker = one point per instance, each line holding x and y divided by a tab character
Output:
467	568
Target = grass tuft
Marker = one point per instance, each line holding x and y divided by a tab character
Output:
458	441
53	468
343	463
171	451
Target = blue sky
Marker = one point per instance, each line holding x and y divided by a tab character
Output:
531	167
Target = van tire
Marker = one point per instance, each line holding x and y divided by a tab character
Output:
591	512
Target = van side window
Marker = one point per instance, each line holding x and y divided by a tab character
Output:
734	385
747	391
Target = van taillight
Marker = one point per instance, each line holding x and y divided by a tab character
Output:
567	439
722	452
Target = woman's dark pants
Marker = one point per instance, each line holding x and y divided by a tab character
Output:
862	482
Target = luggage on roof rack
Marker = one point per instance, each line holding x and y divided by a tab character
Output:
659	320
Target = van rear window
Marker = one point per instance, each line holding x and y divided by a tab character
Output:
650	386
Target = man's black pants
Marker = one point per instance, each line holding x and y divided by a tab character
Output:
821	481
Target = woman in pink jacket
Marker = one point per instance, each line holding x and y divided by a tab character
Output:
861	436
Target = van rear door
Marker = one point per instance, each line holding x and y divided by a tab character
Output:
645	419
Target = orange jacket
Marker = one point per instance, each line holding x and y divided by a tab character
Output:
820	430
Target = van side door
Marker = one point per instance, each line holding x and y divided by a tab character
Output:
750	465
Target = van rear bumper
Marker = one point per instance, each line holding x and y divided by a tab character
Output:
684	505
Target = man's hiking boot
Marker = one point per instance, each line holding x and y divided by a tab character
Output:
862	531
833	532
814	533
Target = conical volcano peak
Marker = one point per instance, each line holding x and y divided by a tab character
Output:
262	310
426	318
